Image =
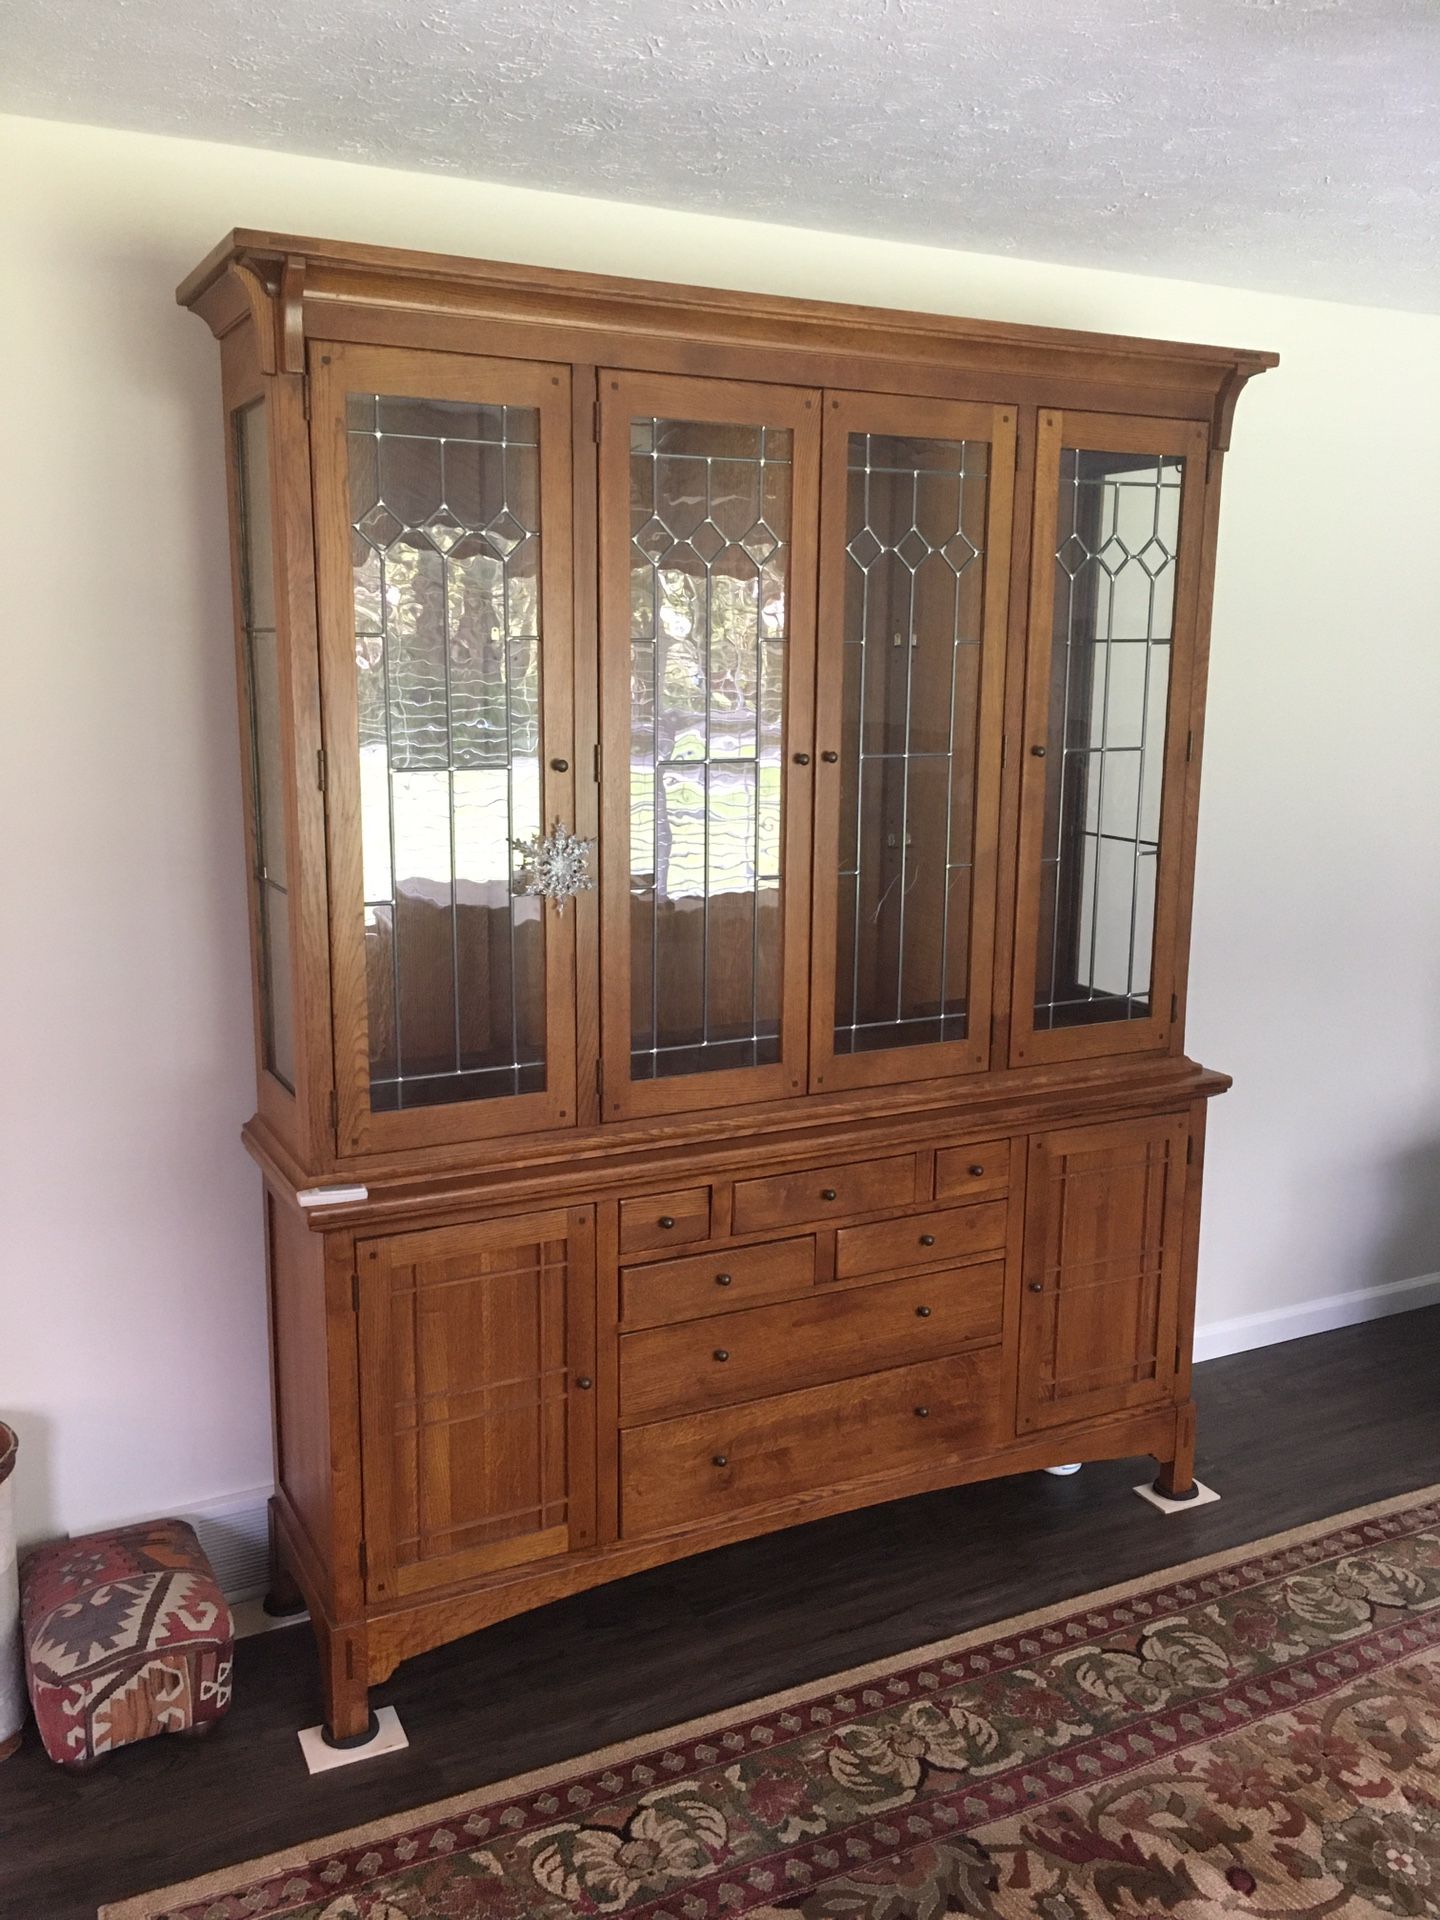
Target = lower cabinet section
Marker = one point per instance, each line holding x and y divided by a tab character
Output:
707	1465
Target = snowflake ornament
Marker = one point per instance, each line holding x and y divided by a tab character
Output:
556	866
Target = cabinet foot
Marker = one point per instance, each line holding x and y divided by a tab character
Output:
362	1739
348	1719
1071	1466
1176	1478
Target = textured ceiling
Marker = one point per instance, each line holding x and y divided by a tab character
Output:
1289	144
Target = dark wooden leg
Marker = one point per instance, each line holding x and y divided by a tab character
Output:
283	1597
1176	1478
348	1719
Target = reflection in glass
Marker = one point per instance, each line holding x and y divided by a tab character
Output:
267	783
1117	540
444	501
914	605
709	558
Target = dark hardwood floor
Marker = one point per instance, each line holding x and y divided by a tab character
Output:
1287	1434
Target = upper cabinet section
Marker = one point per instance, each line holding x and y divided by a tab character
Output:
659	702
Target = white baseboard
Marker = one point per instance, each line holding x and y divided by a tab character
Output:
1216	1337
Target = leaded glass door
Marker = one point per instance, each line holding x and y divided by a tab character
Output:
1114	581
914	561
708	498
443	490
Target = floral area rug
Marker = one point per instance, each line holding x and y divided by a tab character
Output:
1256	1734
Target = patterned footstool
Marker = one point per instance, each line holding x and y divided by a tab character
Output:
126	1635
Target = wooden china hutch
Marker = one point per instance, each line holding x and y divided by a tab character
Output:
720	782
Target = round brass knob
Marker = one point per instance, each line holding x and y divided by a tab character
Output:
1037	1286
722	1353
827	1193
802	759
584	1380
976	1171
922	1413
1039	752
830	757
927	1239
667	1220
922	1313
560	766
723	1279
719	1459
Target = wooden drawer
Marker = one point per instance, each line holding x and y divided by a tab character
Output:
824	1193
961	1171
708	1283
830	1335
665	1219
706	1465
949	1233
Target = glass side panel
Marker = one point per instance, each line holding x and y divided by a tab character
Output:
267	780
1117	541
914	606
444	505
709	558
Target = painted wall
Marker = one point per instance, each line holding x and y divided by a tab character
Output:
131	1314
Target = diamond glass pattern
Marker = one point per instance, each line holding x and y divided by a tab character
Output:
709	563
444	500
1117	542
914	610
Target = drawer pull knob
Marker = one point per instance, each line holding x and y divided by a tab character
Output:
927	1239
922	1313
922	1413
827	1193
830	756
722	1353
1039	752
585	1381
560	766
719	1459
802	759
723	1279
976	1171
667	1220
1037	1286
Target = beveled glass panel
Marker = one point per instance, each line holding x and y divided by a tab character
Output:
444	506
709	558
914	607
267	779
1117	542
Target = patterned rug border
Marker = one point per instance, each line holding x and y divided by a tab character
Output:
162	1900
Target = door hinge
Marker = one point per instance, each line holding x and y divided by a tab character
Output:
354	1293
1189	1149
1189	744
1174	1006
595	423
600	1081
305	394
334	1111
596	763
364	1561
320	768
1004	750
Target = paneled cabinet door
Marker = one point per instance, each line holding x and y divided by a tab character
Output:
1104	1222
477	1356
443	545
1115	567
916	500
708	492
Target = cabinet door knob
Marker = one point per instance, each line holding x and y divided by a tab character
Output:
584	1380
976	1171
827	1193
922	1413
802	759
719	1459
560	766
722	1353
1039	752
927	1239
922	1313
1037	1286
723	1279
829	756
666	1220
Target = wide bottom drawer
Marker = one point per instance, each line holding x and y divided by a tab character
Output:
705	1465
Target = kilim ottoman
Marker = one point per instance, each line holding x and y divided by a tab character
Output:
126	1635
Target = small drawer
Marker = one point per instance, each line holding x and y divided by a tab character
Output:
703	1466
961	1171
702	1284
665	1219
951	1233
824	1193
832	1334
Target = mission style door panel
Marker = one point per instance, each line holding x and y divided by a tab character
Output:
1102	1267
477	1358
443	556
916	506
708	506
1116	564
